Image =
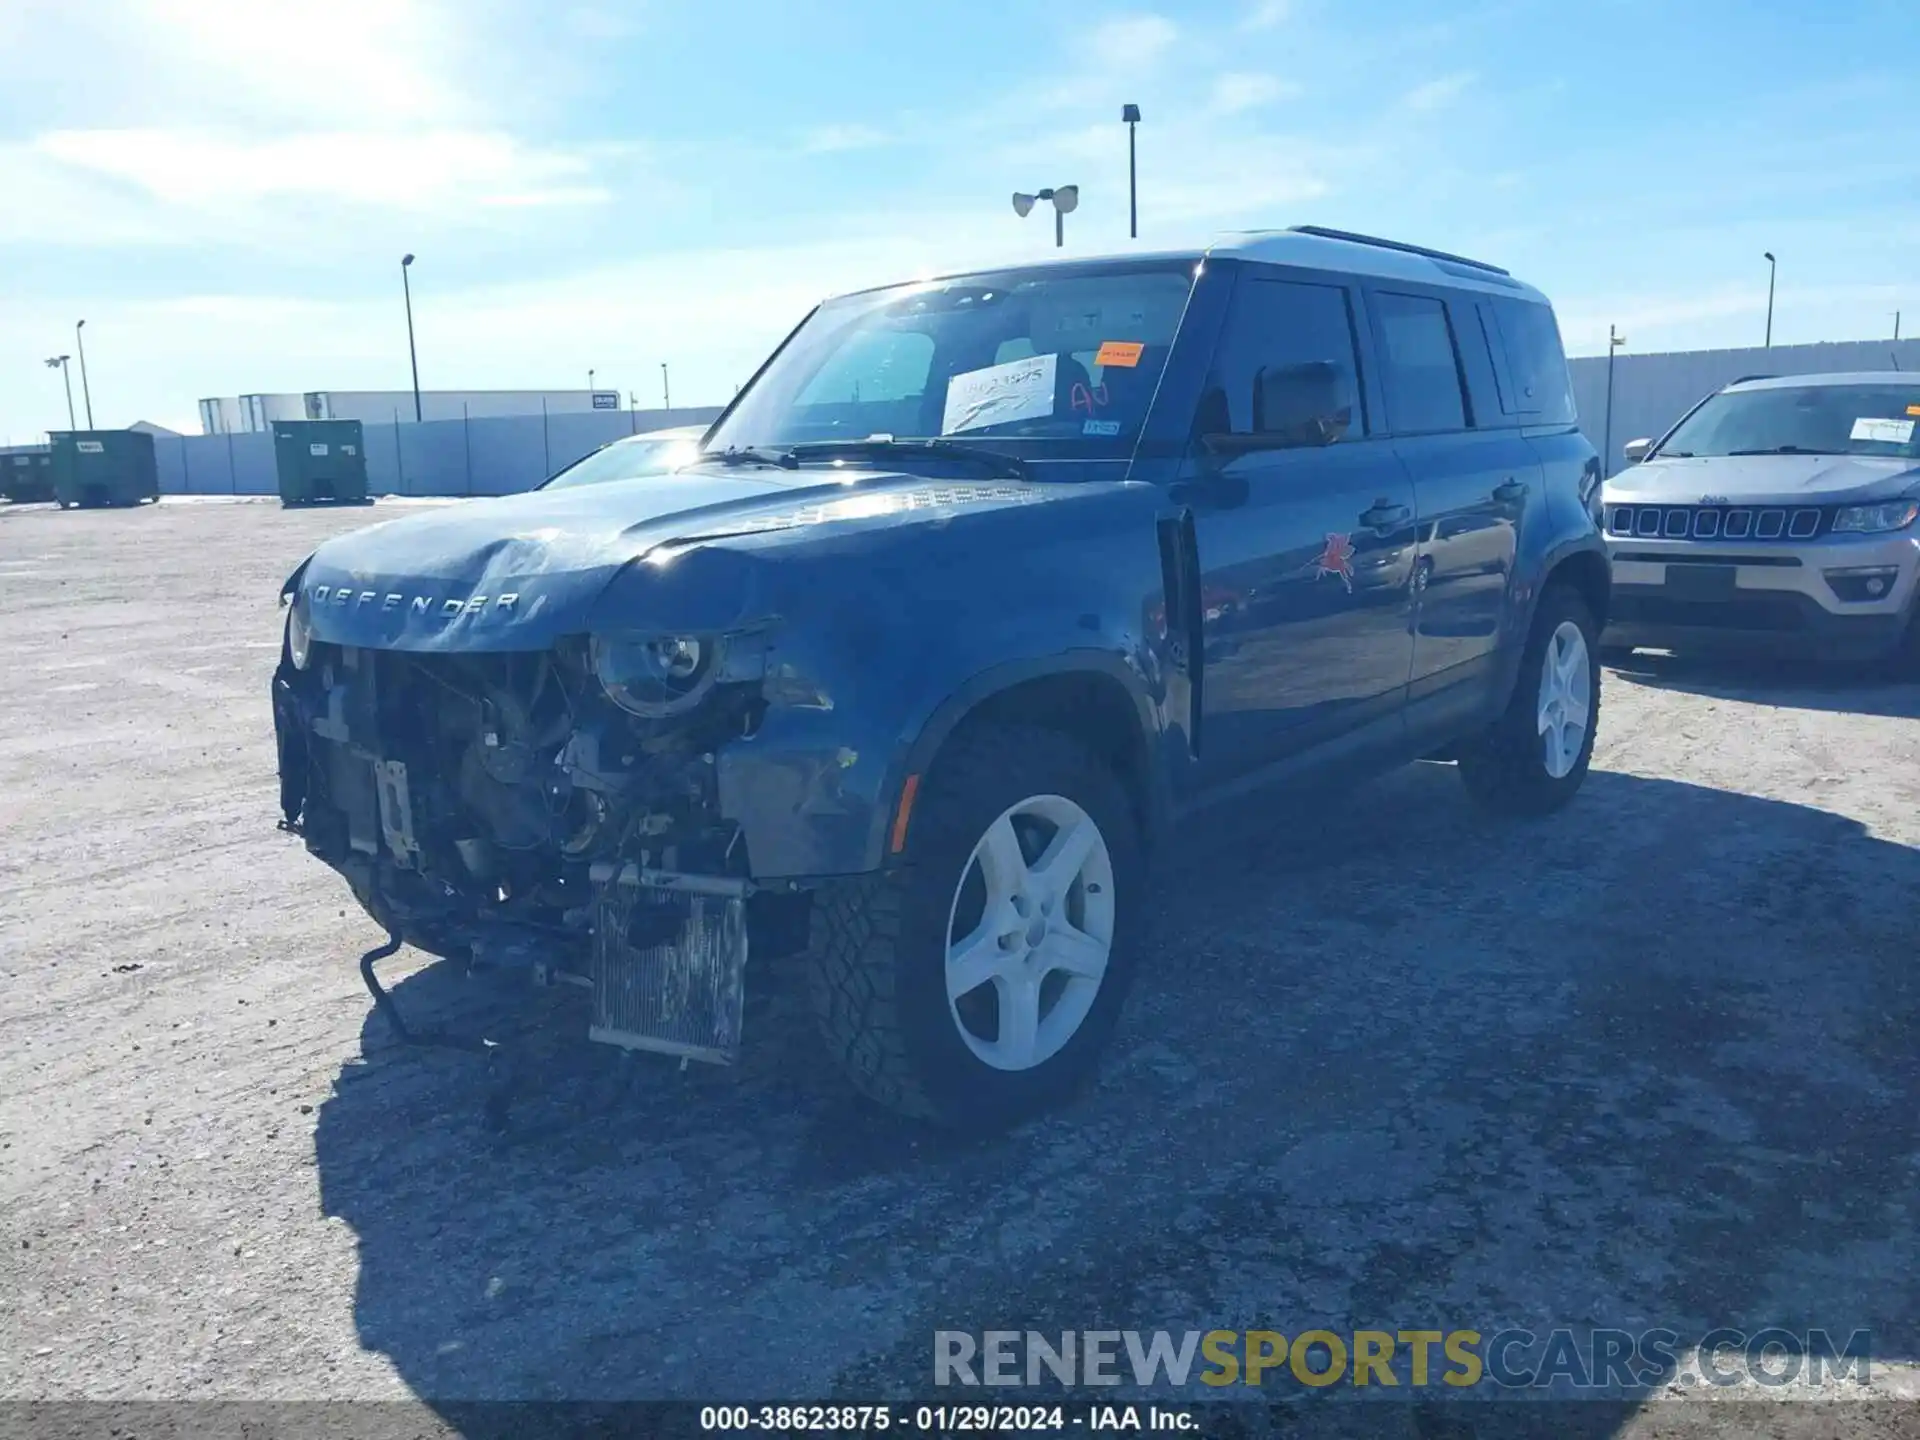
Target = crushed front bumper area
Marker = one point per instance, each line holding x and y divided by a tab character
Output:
498	808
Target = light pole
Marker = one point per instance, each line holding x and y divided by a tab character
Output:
1773	269
59	362
86	391
1614	342
1065	198
666	390
413	356
1130	115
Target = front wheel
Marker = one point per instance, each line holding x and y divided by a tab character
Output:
978	983
1534	757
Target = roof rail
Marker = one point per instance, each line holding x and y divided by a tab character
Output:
1326	234
1745	378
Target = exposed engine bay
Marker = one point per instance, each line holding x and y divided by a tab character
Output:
501	807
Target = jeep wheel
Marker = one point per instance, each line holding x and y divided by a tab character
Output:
1536	755
977	983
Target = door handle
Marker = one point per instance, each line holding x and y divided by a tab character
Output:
1510	491
1384	515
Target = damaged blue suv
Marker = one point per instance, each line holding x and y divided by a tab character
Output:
979	588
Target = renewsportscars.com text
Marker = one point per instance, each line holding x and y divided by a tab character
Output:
1512	1358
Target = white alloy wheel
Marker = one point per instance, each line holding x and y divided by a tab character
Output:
1030	932
1566	699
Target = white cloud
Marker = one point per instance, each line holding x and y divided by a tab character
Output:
292	60
598	22
1266	15
1437	94
1244	91
1131	43
829	139
406	170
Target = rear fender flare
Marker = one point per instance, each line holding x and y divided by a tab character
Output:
1528	596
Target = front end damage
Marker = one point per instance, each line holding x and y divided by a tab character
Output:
499	807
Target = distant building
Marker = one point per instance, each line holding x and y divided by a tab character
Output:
247	413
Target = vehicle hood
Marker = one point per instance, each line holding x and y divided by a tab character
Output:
1763	480
518	572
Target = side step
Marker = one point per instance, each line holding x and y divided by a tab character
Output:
669	962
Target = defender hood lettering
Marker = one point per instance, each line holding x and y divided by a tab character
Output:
518	572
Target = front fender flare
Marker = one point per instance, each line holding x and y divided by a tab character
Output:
939	726
816	793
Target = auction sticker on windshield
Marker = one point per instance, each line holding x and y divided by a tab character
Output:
1000	394
1886	432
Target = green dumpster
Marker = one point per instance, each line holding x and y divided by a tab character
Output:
320	461
104	467
26	475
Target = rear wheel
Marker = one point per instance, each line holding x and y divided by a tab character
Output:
1535	756
978	983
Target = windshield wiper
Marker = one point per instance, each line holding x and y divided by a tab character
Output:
1001	463
751	455
1783	450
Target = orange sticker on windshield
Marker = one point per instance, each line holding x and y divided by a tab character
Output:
1124	353
1913	409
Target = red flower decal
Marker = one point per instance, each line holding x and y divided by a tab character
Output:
1336	559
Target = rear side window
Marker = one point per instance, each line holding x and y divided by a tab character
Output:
1287	368
1536	362
1425	393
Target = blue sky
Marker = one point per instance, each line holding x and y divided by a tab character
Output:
223	188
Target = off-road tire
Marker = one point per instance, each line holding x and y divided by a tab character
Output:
877	953
1505	771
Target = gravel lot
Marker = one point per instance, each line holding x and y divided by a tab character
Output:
1649	1063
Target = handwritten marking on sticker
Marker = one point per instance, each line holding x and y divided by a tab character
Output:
1000	394
1123	353
1884	432
1100	427
1081	398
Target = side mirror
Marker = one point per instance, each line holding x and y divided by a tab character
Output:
1300	405
1636	450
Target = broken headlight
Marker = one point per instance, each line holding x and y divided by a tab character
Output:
299	632
652	676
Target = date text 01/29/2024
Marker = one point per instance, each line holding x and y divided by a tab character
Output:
944	1419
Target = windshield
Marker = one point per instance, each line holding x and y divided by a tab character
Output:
1068	358
627	459
1869	419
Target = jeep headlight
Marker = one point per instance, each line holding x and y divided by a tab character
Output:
653	675
299	632
1871	519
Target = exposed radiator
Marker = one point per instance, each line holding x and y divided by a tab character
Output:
669	962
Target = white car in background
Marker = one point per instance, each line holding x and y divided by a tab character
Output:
652	453
1779	516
